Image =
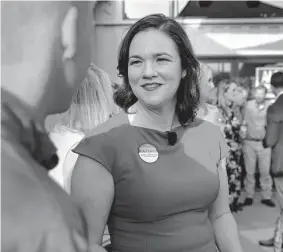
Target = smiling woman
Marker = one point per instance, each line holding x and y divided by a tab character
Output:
154	173
158	65
148	61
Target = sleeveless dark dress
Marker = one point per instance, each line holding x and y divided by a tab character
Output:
160	205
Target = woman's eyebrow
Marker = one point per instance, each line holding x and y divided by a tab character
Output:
155	55
163	54
135	56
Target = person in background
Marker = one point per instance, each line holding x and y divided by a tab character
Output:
208	110
220	77
230	99
150	172
274	139
44	56
253	149
91	105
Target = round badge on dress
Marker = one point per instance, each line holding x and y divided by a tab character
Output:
148	153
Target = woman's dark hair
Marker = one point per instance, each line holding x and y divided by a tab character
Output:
188	94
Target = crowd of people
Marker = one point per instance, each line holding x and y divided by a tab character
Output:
252	127
155	163
243	122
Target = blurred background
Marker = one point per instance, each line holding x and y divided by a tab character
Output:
243	39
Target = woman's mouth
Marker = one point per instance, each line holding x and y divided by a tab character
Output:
151	86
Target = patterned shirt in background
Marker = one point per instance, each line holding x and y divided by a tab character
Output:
231	129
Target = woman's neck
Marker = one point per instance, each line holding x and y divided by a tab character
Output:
162	119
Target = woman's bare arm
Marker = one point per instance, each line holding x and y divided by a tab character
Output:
223	222
92	187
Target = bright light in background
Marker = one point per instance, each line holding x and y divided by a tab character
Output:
135	9
240	41
278	4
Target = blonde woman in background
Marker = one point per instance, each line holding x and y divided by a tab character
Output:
208	109
230	100
91	105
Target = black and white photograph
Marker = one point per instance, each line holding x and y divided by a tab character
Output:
142	126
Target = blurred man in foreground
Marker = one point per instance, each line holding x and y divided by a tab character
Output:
44	57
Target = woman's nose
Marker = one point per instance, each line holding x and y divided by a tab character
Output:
149	70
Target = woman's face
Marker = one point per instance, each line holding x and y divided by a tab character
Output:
206	85
154	68
236	94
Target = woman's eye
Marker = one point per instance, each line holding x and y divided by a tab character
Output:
162	59
135	62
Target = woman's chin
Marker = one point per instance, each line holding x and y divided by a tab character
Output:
153	103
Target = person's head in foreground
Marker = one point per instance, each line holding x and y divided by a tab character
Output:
45	52
44	56
159	68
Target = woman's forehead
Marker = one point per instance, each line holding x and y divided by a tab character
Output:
152	42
